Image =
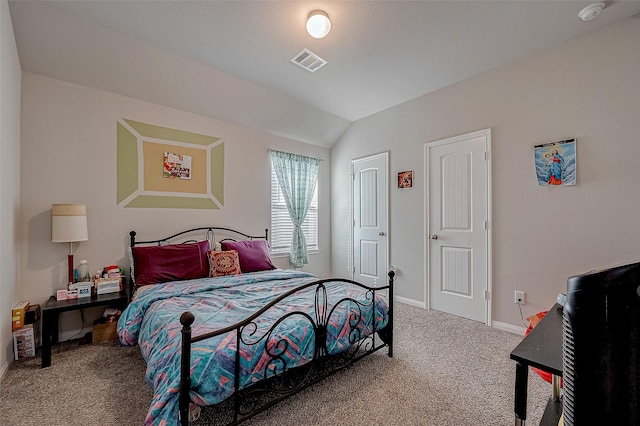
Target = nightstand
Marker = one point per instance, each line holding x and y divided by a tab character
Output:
542	348
52	309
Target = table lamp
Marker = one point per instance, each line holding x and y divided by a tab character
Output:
68	225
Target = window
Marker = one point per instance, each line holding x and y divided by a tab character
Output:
281	226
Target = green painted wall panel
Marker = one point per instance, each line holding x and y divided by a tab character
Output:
127	160
217	172
166	133
128	168
153	201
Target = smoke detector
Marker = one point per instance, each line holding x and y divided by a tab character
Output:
591	11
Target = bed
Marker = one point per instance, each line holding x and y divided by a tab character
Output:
218	324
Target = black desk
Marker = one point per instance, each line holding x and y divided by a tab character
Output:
542	349
52	309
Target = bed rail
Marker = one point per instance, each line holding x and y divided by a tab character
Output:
319	367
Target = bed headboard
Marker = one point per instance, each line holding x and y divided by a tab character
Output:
188	263
209	233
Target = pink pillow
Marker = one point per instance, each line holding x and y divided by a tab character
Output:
254	254
223	263
159	264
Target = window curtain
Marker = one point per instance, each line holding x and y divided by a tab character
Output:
297	176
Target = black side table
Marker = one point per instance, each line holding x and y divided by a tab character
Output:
52	309
541	348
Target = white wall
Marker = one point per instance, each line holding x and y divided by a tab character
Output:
587	88
10	74
69	156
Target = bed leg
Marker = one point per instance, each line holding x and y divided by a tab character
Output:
392	275
186	319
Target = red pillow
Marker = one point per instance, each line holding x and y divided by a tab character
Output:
254	254
159	264
224	263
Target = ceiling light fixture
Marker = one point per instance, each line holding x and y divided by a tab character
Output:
591	11
318	24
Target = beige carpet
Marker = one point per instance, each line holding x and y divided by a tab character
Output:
445	371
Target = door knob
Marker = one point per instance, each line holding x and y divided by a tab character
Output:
434	237
381	233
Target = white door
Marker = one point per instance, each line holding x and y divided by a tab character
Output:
457	221
370	212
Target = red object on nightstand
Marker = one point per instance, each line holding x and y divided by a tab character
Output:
533	321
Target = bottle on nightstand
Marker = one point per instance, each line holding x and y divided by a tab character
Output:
83	271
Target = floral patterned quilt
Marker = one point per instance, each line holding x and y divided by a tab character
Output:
152	321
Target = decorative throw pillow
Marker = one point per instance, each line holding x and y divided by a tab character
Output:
224	263
159	264
254	254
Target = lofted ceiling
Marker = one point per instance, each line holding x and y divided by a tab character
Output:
230	59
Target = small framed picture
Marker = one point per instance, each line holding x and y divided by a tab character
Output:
556	163
405	179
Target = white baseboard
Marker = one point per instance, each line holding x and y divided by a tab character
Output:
4	370
509	327
496	324
411	302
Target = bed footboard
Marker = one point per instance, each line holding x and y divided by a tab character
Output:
281	379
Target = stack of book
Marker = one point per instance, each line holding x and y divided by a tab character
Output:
26	338
111	281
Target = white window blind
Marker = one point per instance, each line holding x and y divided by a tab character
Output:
281	226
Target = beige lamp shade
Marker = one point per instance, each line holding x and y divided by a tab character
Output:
69	223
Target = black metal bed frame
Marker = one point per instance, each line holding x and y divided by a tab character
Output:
282	380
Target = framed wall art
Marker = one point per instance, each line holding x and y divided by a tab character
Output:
555	163
405	179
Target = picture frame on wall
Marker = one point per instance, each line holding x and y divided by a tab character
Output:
405	179
555	163
177	166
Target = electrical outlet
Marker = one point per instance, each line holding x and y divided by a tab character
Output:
518	297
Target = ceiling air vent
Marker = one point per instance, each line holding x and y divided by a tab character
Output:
308	60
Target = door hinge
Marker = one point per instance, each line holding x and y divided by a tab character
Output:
487	295
486	225
486	156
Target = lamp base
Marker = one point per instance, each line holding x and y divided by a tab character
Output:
70	261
